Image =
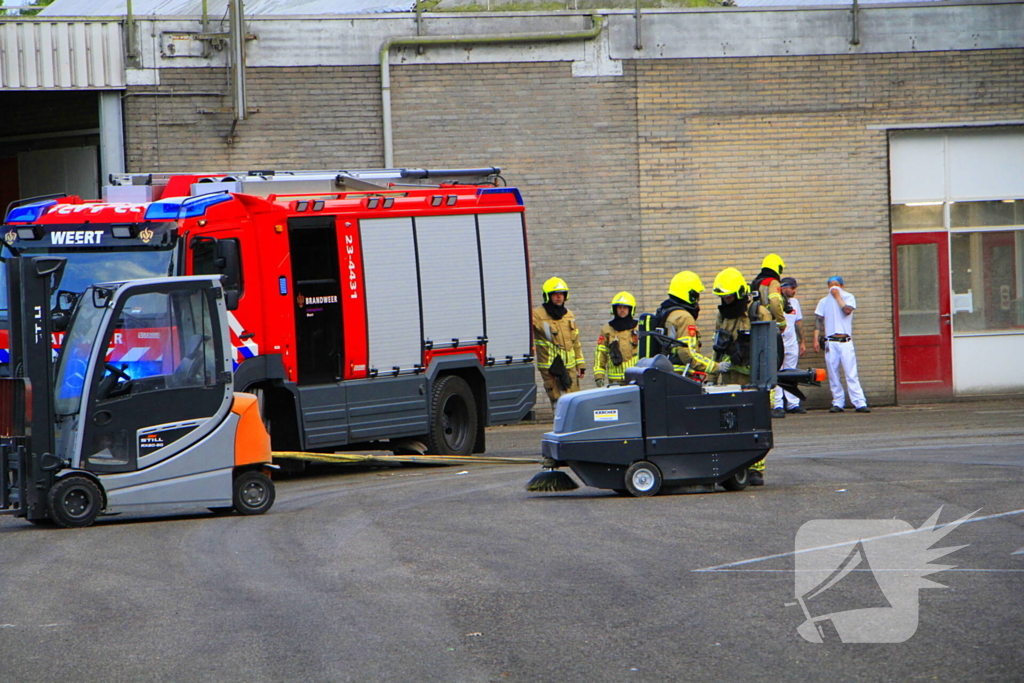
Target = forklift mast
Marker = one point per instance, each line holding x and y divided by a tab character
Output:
27	462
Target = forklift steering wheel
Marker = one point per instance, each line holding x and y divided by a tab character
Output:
117	372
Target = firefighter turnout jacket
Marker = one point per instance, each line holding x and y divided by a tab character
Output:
627	343
738	328
687	359
557	339
772	298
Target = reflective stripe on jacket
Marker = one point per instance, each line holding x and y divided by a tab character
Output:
774	300
628	343
681	325
553	338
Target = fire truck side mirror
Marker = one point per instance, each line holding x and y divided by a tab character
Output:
228	262
231	297
59	321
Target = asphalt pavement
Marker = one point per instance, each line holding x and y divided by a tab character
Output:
459	574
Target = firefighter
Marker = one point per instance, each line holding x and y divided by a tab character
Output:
617	345
732	337
769	289
557	340
678	316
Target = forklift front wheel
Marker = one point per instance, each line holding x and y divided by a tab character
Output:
254	493
74	501
736	482
643	479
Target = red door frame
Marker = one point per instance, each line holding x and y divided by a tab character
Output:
924	363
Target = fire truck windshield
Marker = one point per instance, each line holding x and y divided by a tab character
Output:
85	268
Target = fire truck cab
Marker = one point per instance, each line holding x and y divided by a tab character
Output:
366	308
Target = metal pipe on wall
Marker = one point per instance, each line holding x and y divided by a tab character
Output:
385	62
638	44
237	28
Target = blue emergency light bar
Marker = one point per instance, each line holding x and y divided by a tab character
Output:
502	190
29	212
184	207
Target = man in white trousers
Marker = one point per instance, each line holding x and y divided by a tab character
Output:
793	342
835	314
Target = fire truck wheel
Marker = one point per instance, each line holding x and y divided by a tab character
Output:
74	501
736	482
643	479
452	417
254	493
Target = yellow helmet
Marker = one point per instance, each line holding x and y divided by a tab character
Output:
773	262
552	285
686	286
730	281
624	299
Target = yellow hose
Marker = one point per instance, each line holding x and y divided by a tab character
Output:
356	458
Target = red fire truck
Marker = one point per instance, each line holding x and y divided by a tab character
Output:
365	306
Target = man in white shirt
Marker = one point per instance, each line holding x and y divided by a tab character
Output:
835	314
793	342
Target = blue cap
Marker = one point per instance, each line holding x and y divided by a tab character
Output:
836	278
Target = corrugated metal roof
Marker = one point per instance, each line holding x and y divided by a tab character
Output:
44	55
217	8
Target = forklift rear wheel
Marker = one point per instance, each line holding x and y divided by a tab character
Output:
254	493
736	482
74	501
643	479
452	417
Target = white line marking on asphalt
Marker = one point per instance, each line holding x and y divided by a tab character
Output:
752	560
797	571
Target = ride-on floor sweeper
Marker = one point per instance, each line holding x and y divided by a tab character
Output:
662	430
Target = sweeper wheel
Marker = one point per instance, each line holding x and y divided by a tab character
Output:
737	482
643	479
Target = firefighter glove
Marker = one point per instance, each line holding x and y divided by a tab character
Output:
599	381
724	366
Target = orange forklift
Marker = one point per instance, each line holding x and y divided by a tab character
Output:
139	411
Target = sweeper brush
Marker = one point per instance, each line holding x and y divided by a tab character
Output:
551	481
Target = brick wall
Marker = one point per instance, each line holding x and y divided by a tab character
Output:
307	118
698	164
568	143
743	157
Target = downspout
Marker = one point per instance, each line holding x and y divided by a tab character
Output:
855	40
385	61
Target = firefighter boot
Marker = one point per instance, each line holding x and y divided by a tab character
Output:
755	475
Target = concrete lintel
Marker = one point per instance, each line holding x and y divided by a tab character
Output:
668	34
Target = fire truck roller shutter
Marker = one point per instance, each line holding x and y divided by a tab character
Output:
392	294
450	286
506	291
